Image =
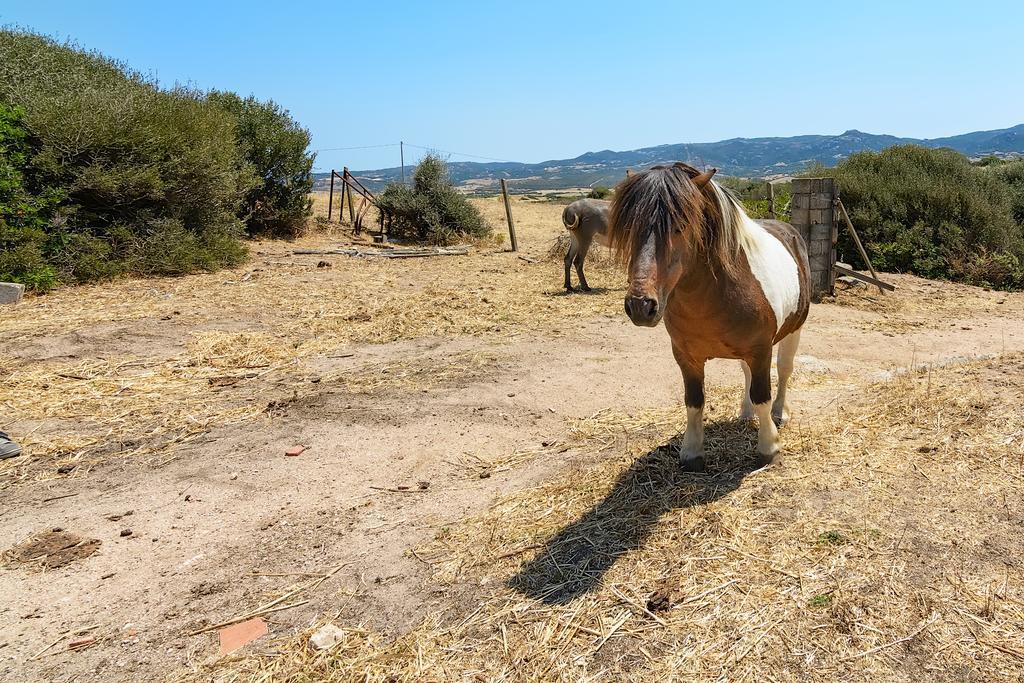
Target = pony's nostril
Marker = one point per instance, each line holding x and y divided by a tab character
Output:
650	307
641	307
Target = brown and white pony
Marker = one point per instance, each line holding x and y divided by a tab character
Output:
727	286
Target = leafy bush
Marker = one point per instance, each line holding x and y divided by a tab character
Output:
140	169
600	192
1011	174
23	214
103	172
432	210
753	193
273	148
930	212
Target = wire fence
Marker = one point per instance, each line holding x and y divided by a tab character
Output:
487	183
429	149
559	181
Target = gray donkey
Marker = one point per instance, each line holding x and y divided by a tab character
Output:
586	220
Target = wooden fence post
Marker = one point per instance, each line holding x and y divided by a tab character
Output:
771	200
330	199
348	194
341	200
508	215
856	240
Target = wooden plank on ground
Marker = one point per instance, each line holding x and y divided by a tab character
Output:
386	253
850	272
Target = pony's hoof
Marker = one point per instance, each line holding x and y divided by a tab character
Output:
584	288
692	463
773	458
780	419
569	290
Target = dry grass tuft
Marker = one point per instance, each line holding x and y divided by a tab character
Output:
236	350
597	256
99	408
921	304
415	374
870	554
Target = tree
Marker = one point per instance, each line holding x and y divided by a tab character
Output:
433	210
273	149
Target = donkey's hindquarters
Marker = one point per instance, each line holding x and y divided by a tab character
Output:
587	221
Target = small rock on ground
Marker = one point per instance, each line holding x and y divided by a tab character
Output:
11	292
327	636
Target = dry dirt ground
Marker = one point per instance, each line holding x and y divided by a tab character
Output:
487	490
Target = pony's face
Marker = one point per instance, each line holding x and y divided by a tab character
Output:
656	227
652	277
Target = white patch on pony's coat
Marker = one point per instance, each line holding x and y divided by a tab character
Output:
693	438
774	268
771	263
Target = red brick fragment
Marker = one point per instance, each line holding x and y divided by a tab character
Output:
236	635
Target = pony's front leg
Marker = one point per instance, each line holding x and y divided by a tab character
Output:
787	352
691	453
761	397
746	407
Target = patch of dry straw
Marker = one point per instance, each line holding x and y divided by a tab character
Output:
922	304
598	255
138	396
883	548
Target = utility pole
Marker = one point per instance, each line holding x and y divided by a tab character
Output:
401	151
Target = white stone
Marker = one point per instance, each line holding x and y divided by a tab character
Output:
326	637
11	292
812	364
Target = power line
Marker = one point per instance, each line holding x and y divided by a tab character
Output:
424	148
342	149
459	154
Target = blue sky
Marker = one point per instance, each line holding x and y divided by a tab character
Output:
530	81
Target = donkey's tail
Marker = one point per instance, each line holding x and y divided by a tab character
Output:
575	219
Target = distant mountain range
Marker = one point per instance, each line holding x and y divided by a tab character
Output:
747	157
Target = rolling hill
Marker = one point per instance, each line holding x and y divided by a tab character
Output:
748	157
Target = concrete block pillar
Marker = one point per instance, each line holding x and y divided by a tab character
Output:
813	213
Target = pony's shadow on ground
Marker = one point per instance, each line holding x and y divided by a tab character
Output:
575	559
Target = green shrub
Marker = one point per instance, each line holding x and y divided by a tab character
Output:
24	214
930	212
990	160
753	193
139	169
1000	270
273	148
1011	174
600	192
432	210
757	206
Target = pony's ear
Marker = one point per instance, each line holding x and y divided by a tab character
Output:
704	178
